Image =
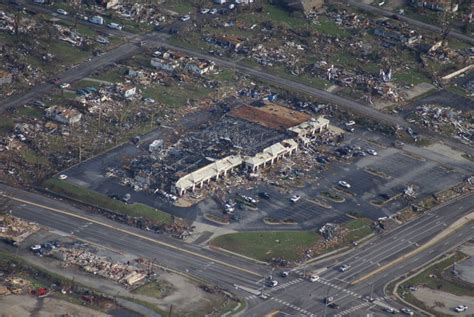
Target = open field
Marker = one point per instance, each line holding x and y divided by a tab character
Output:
290	245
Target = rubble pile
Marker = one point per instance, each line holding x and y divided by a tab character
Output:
15	285
445	119
143	13
329	231
16	230
99	265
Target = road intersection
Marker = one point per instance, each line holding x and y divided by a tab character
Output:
294	294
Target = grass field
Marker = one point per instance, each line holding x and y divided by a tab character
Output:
102	201
157	289
290	245
175	95
440	283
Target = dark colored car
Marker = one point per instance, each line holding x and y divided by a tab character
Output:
264	195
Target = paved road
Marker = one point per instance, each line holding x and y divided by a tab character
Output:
411	21
72	74
296	295
196	261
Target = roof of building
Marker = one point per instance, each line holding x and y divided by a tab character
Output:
209	171
271	116
271	152
309	125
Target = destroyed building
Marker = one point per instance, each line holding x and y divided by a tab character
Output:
304	5
243	138
63	115
5	77
257	137
438	5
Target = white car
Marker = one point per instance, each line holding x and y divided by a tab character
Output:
115	26
390	310
272	283
344	184
295	198
64	85
35	247
460	308
185	18
314	278
61	11
407	311
62	176
372	152
204	11
213	11
350	123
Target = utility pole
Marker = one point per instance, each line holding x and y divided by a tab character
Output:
326	302
372	290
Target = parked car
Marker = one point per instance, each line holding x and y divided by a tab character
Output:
39	103
55	81
264	195
460	308
64	85
83	17
113	25
62	176
61	11
213	11
35	247
350	123
285	273
295	198
344	184
185	18
372	152
204	11
126	198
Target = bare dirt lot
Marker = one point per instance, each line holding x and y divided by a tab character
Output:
15	305
444	302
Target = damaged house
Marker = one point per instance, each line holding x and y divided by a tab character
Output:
63	115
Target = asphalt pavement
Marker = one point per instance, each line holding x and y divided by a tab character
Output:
294	294
422	25
297	295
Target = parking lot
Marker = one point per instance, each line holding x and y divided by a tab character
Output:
377	183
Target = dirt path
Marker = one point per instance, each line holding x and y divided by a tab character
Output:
15	306
433	298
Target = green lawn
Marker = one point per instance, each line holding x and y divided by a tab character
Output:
181	6
440	283
6	125
94	198
266	245
411	77
112	75
174	95
290	245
